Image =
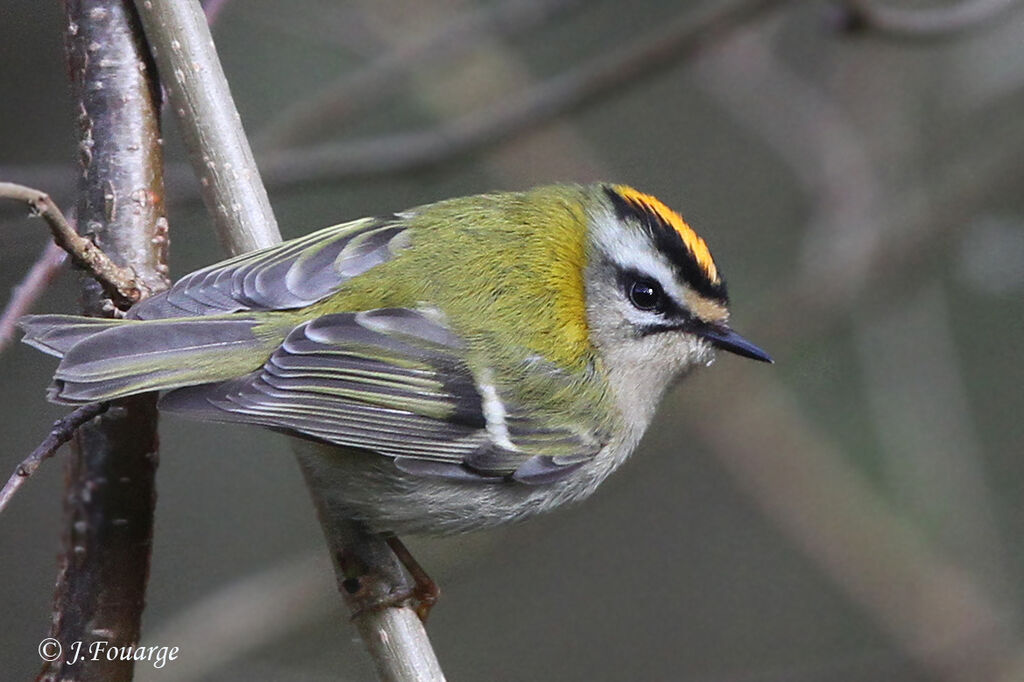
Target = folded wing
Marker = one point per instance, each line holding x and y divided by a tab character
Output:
291	275
396	382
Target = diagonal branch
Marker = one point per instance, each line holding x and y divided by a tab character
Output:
31	287
61	432
340	100
417	150
404	152
217	146
922	22
118	282
198	89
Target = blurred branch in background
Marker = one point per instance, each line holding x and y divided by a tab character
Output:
922	21
248	614
862	236
815	140
24	296
919	223
950	614
933	457
394	153
553	151
934	609
404	152
329	110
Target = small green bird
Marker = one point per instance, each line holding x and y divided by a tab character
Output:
453	366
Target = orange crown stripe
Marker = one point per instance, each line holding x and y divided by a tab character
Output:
691	239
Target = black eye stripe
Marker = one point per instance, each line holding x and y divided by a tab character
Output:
646	293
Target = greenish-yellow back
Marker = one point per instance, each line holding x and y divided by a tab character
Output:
526	249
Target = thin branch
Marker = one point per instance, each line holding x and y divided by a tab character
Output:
28	291
338	101
119	283
61	432
201	99
921	22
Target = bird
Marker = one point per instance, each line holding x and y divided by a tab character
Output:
447	368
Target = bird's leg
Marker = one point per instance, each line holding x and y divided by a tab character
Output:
426	592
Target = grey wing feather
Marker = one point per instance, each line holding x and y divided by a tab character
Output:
291	275
338	379
394	381
541	469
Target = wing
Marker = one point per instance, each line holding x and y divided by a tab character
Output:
394	381
294	274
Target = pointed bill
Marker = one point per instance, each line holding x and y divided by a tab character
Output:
727	339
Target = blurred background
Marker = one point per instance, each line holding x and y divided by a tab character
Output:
852	513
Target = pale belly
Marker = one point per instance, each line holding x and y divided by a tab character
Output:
367	487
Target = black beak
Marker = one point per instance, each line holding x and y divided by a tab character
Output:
727	339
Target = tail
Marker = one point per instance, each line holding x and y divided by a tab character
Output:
106	359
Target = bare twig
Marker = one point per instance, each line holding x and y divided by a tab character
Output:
25	294
118	282
218	148
921	22
337	102
61	432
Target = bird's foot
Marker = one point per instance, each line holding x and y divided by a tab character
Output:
366	591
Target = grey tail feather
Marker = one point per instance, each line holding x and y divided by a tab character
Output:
123	357
56	334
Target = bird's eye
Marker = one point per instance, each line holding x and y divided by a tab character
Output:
645	294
